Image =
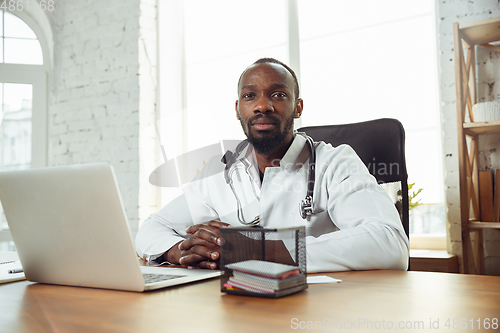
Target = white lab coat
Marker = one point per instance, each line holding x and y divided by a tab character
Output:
356	226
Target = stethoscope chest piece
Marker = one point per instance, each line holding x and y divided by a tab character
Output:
306	207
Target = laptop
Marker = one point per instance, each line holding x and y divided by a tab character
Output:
69	227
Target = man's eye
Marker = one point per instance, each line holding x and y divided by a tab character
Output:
247	95
279	95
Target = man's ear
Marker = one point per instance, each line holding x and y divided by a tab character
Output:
236	108
299	107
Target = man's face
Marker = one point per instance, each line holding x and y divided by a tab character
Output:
267	105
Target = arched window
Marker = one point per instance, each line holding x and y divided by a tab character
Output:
23	100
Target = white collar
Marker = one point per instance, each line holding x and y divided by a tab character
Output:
294	151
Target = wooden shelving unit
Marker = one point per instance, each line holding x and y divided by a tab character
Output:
466	37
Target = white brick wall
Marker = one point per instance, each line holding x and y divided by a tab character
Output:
102	98
462	11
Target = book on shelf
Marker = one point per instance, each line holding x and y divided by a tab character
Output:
486	195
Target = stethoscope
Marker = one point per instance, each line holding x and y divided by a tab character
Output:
306	206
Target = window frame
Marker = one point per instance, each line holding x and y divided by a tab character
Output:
37	76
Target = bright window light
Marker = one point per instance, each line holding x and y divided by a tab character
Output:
358	61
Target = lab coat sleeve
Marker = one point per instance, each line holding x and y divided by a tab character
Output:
370	234
162	230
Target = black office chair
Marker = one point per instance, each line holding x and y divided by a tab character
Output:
380	144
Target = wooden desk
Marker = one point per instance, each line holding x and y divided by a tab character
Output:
376	296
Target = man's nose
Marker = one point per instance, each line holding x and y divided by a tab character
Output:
264	105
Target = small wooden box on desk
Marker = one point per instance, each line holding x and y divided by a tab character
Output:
433	261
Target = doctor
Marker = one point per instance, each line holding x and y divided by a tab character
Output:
354	225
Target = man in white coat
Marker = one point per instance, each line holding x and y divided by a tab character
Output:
355	225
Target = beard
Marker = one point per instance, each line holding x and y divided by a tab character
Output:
266	144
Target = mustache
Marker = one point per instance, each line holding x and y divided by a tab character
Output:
271	117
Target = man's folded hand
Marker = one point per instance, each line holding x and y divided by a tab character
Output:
202	247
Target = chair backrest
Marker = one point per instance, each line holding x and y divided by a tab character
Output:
380	144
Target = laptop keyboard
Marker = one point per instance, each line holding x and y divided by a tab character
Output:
152	278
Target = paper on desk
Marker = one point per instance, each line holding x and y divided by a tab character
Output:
322	279
9	260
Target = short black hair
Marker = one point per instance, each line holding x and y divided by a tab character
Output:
274	61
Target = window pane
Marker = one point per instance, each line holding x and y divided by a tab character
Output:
213	28
15	130
323	17
15	134
23	51
216	54
1	50
428	219
361	64
17	28
345	82
1	23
